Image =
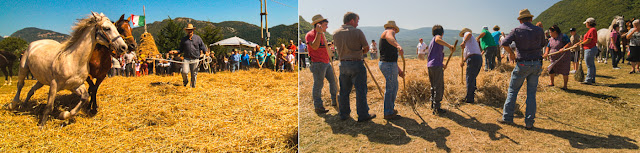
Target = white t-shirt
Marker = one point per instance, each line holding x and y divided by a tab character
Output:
422	48
373	48
291	58
471	46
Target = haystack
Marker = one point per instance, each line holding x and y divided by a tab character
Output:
147	47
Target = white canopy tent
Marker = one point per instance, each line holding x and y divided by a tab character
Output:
234	41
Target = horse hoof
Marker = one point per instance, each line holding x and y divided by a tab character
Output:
64	115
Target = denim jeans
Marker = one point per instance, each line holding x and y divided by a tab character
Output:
353	73
190	66
589	58
529	70
490	54
235	66
390	72
320	72
474	63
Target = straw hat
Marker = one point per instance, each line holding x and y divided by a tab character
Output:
317	18
589	20
524	13
464	30
392	24
496	27
189	27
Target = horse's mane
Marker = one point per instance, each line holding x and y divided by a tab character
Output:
80	27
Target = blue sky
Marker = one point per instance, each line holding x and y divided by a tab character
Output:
413	14
59	15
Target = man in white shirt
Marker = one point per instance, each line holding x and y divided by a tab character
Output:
373	50
421	49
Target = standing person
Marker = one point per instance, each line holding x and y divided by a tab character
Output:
389	50
245	60
115	67
145	68
421	49
614	45
435	57
496	38
320	66
590	50
529	41
291	61
293	49
561	62
235	60
302	54
634	46
489	48
351	46
129	59
137	67
373	50
191	46
575	57
473	57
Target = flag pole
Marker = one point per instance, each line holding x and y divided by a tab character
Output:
144	13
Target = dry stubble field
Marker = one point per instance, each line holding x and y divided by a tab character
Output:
592	118
248	111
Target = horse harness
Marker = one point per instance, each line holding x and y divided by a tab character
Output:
100	32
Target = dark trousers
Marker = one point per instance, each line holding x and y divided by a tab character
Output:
474	63
616	56
129	71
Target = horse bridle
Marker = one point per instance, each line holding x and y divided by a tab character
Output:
101	33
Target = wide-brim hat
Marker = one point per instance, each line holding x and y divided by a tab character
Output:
189	27
317	18
464	30
524	13
392	24
589	20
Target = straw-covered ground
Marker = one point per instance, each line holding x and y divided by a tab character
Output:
593	118
247	111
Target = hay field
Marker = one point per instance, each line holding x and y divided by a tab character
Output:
599	118
247	111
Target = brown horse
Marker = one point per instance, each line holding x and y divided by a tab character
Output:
6	65
100	62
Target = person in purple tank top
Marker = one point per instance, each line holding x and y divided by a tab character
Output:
435	56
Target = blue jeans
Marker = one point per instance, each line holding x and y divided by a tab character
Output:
235	66
529	70
353	73
589	58
474	63
320	72
490	57
190	67
390	72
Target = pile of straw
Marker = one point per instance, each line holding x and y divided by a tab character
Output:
247	111
147	46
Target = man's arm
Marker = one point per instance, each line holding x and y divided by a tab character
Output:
364	43
315	44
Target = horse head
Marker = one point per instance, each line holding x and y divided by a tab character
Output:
107	34
124	28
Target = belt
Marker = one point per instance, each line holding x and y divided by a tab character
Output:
536	60
351	60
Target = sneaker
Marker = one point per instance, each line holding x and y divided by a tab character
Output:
529	127
586	82
616	68
572	71
438	111
502	121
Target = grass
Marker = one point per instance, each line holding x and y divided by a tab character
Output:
247	111
586	118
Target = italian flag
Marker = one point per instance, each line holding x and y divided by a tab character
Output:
137	20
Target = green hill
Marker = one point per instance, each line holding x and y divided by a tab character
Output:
571	13
31	34
241	29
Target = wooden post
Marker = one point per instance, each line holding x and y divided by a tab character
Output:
144	13
452	51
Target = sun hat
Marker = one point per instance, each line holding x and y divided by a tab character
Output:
317	18
392	24
524	13
189	27
464	30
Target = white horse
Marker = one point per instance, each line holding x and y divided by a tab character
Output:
605	34
65	66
